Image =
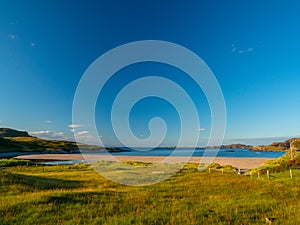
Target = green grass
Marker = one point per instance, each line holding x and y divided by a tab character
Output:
11	144
280	164
13	162
78	195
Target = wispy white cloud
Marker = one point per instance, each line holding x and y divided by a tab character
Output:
235	49
246	50
32	44
201	129
48	121
47	134
40	132
73	126
85	137
82	133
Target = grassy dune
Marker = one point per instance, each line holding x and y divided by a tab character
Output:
78	195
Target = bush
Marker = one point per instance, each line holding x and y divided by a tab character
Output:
215	166
13	162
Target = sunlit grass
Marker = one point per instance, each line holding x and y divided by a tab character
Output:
77	194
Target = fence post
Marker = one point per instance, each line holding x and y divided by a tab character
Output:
258	175
250	174
268	174
209	169
291	173
222	171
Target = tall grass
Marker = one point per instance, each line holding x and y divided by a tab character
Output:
78	195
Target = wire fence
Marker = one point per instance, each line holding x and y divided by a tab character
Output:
291	173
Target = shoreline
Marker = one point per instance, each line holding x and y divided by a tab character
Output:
244	163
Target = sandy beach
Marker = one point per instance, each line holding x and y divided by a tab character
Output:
243	163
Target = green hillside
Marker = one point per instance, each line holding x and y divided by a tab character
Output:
10	144
20	141
8	132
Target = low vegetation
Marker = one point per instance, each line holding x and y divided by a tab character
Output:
285	162
218	167
28	144
76	194
13	162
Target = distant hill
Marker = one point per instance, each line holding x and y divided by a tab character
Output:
8	132
293	143
233	146
20	141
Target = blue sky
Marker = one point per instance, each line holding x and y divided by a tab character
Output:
252	47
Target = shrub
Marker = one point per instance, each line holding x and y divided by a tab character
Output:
13	162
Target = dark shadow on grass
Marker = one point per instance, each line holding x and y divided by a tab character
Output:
82	198
39	183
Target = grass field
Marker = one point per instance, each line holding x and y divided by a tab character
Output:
78	195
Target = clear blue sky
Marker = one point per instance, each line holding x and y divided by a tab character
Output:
253	48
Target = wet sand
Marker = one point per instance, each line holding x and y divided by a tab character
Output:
242	163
